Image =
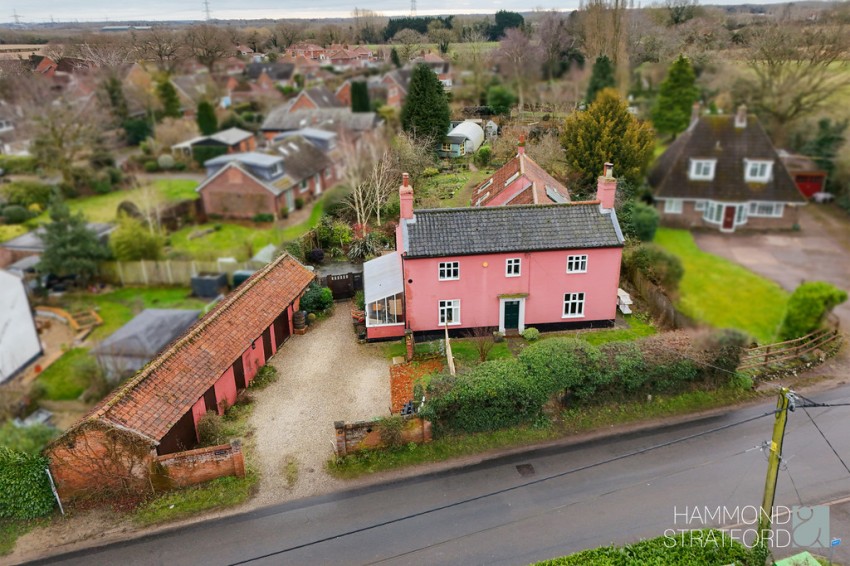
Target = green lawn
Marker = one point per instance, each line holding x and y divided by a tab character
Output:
102	208
235	240
9	231
116	308
60	381
724	294
463	350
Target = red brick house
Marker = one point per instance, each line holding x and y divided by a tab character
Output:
120	442
724	173
315	98
308	50
243	185
397	83
519	181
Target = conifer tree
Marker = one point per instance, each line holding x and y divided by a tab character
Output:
168	97
606	132
70	248
395	58
601	77
206	118
425	113
676	96
359	96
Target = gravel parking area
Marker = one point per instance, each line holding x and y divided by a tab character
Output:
325	376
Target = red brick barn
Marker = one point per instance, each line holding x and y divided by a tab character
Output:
123	442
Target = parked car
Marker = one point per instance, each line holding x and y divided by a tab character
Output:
822	197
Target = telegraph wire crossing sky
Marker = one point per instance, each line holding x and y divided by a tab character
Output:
42	11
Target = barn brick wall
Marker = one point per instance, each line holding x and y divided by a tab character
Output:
233	195
98	461
182	469
362	435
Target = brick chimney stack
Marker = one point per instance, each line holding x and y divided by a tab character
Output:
405	196
741	117
521	145
606	187
695	112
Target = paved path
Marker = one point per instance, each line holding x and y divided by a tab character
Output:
325	376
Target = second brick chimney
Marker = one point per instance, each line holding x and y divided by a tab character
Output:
521	145
405	197
741	117
606	187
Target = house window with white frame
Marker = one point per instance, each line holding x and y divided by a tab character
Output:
699	205
702	169
757	171
512	267
450	312
449	270
741	214
577	264
767	209
673	206
573	305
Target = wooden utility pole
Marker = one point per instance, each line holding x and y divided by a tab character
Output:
773	461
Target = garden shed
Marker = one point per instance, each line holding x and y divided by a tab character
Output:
136	343
19	342
463	139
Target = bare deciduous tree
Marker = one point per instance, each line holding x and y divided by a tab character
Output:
798	70
603	30
518	60
555	39
409	43
482	339
371	176
208	44
285	34
163	47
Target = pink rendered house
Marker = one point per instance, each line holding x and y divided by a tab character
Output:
551	266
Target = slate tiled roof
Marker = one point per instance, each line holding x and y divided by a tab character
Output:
275	71
152	401
333	119
480	230
322	97
716	137
301	159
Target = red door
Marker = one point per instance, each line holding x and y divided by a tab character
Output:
729	217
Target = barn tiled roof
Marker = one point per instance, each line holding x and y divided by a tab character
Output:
716	137
480	230
544	186
153	400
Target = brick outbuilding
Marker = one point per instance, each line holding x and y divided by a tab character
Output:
156	412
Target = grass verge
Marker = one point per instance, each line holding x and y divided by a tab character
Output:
570	422
724	294
61	381
11	530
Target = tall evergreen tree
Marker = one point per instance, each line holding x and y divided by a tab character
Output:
115	96
359	96
207	121
395	58
70	248
606	132
601	77
676	96
425	113
168	98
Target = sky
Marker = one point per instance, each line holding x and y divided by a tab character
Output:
39	11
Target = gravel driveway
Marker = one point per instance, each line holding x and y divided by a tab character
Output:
325	376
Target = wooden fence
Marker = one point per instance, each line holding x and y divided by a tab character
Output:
780	352
660	304
168	272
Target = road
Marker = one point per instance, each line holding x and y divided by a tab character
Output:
615	490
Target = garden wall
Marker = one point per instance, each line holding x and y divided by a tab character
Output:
362	435
204	464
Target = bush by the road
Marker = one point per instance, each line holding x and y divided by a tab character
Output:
808	307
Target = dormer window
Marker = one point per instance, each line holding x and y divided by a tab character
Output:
702	169
756	171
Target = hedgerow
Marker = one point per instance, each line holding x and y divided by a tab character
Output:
808	307
24	486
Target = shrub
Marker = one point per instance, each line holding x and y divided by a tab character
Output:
137	130
263	217
151	166
266	375
360	300
331	232
531	334
565	364
316	255
807	308
317	299
18	164
27	193
430	172
484	156
211	429
202	154
165	162
362	248
284	211
492	395
391	429
15	214
24	488
299	203
638	220
656	264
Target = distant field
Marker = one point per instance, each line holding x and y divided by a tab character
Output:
459	48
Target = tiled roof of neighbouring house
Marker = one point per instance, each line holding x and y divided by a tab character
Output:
153	400
545	189
716	137
281	119
481	230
